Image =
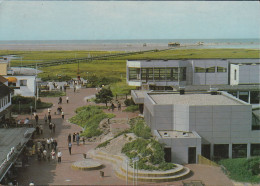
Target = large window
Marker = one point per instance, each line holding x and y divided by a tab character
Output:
210	69
147	74
255	149
200	69
221	69
134	73
239	150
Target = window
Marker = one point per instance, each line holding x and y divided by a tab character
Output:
147	74
239	150
134	73
210	70
235	75
221	69
182	76
199	70
255	149
23	82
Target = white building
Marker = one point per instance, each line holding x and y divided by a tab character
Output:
190	124
5	103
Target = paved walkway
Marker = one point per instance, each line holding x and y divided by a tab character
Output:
52	173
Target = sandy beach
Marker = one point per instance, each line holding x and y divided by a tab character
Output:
75	47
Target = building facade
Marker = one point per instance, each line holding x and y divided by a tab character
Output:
5	103
192	124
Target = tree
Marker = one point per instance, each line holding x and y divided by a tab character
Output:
104	96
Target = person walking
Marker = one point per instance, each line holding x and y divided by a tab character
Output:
55	144
59	155
60	100
77	138
119	106
49	111
41	129
73	137
49	118
45	119
70	146
112	107
53	127
48	141
52	154
44	154
69	138
62	115
50	127
36	119
67	99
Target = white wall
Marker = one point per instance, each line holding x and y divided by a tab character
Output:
249	74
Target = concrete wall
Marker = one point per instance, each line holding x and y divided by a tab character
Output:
218	78
181	117
180	146
249	74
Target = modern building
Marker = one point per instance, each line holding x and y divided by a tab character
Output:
5	103
21	80
215	125
240	77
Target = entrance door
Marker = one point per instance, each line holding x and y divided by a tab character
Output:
192	155
168	154
205	150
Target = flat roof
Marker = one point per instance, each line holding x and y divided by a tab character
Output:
176	134
192	99
140	93
11	137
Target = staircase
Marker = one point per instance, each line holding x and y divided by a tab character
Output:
178	173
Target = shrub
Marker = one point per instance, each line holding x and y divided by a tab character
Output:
132	108
129	102
94	81
139	127
104	96
242	169
89	118
52	93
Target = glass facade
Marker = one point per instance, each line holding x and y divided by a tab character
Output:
158	74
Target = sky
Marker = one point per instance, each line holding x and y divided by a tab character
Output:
109	20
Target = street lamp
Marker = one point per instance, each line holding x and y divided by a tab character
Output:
31	111
136	159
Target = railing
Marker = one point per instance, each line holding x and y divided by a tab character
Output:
205	161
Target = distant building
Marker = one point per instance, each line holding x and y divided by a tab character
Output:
239	76
5	103
191	124
21	80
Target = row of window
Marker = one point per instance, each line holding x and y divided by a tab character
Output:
23	82
212	69
159	74
4	101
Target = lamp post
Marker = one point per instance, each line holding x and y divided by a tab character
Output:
135	177
31	111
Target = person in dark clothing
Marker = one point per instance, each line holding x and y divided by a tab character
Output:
60	100
55	144
36	119
70	145
112	107
50	127
49	118
53	127
69	138
73	137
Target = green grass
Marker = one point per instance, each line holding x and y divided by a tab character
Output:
52	93
242	169
116	68
89	118
131	108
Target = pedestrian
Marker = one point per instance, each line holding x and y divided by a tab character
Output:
55	144
70	145
44	154
41	129
52	154
36	119
83	139
31	183
73	137
52	145
77	138
43	143
59	156
48	141
67	99
49	118
45	119
112	107
74	88
119	106
49	111
62	115
50	127
60	100
53	127
69	138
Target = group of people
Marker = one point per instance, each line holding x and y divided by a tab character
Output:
60	100
44	146
112	107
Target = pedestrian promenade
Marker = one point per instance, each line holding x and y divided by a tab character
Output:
53	173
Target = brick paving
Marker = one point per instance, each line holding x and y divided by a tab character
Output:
53	173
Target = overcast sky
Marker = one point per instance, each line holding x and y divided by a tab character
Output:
90	20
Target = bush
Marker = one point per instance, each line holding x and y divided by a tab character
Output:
139	128
89	118
56	78
94	81
132	108
25	102
129	102
52	93
242	169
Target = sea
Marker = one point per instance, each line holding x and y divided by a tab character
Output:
253	43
